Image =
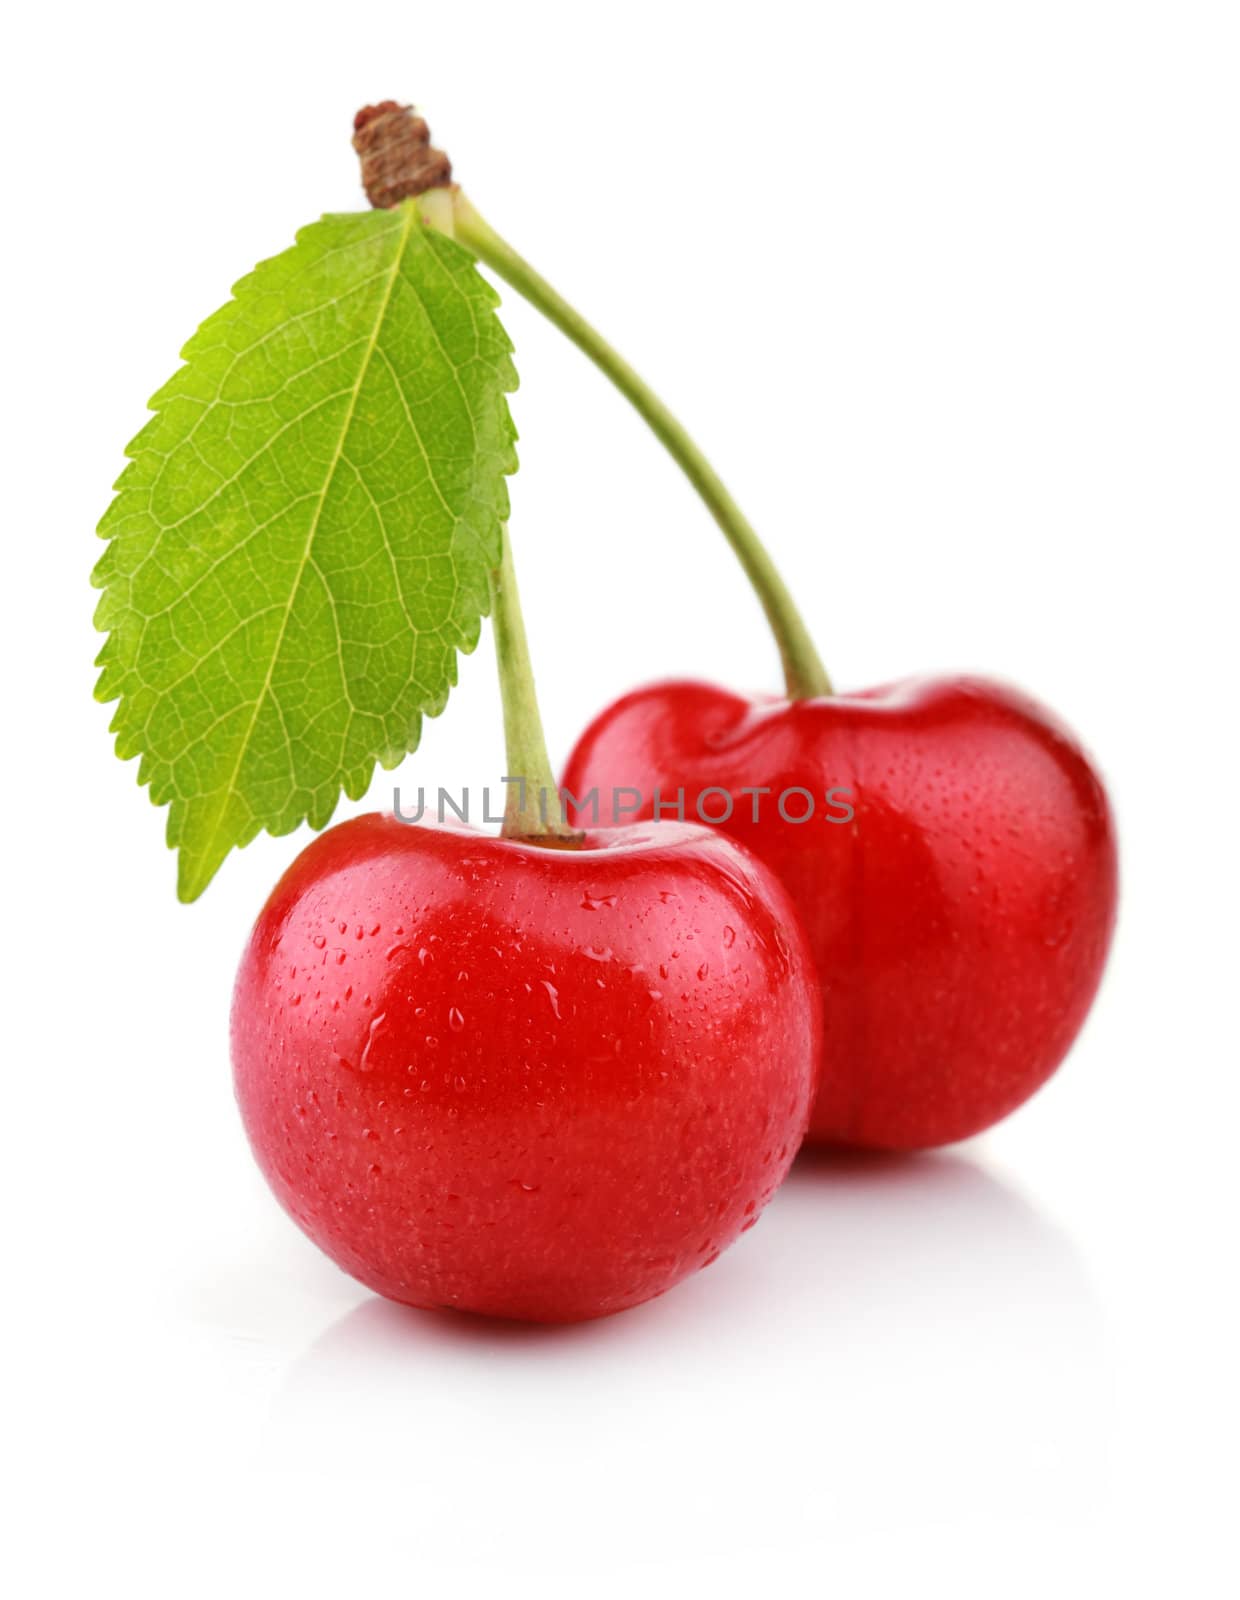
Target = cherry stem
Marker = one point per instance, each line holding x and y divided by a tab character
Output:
804	673
532	811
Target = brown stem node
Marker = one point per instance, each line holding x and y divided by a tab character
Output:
394	146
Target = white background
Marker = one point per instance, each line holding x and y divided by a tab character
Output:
950	292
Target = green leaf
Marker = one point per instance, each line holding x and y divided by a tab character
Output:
301	541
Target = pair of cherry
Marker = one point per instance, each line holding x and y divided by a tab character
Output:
549	1074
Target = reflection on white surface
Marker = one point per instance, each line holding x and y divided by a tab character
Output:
896	1333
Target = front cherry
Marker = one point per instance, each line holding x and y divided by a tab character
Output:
959	918
535	1082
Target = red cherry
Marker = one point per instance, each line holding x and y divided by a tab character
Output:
959	919
539	1083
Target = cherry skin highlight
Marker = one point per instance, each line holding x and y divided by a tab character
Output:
960	919
538	1083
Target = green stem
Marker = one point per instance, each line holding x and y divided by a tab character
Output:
804	673
532	811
